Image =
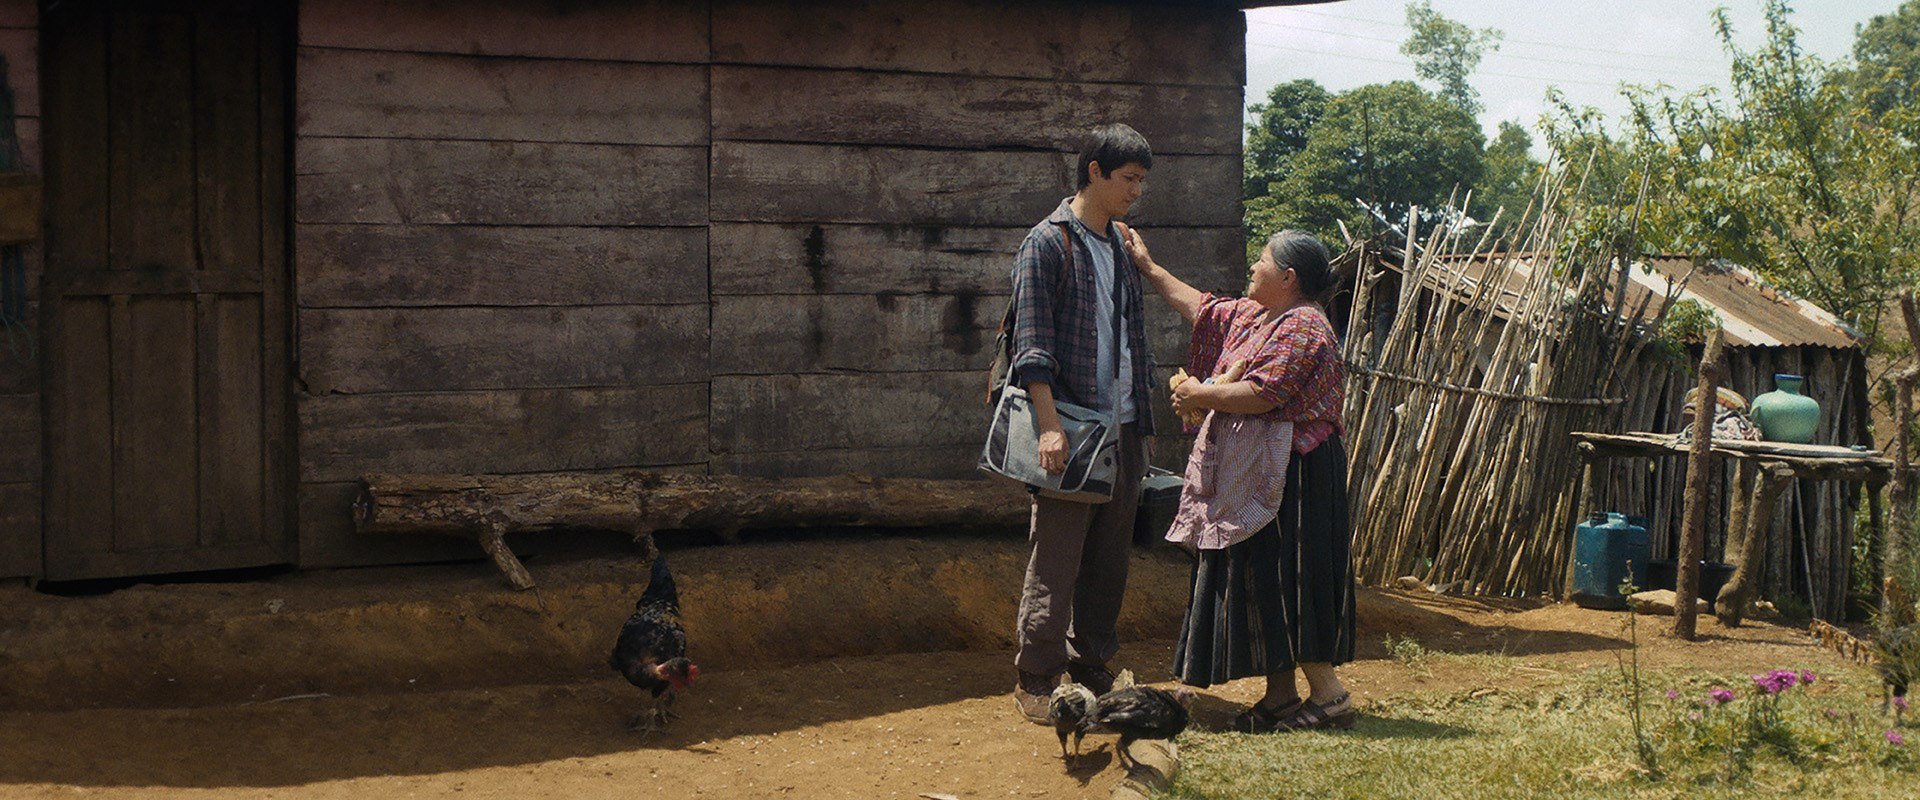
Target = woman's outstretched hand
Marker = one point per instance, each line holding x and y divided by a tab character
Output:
1136	248
1184	299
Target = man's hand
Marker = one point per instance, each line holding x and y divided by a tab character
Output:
1053	451
1136	248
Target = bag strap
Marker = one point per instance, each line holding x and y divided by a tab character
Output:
1007	317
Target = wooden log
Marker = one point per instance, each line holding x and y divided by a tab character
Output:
324	514
773	334
1739	511
443	96
642	501
530	430
506	183
964	112
649	30
19	14
773	413
1900	496
1584	497
28	131
21	48
889	332
953	461
1699	462
19	529
1155	763
1770	481
1130	42
487	507
21	376
474	265
19	438
783	259
778	182
371	350
750	258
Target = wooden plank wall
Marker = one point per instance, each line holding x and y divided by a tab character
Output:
875	167
1819	514
748	236
19	366
500	244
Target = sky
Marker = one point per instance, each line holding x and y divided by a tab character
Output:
1586	48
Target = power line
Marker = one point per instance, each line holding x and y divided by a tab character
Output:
1494	54
1539	78
1535	42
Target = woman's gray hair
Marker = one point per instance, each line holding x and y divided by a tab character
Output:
1303	253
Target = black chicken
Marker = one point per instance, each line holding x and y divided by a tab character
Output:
1139	712
652	649
1070	704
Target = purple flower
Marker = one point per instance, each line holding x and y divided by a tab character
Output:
1674	694
1894	738
1719	695
1694	717
1900	703
1777	681
1806	677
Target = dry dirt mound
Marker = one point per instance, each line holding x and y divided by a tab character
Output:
458	627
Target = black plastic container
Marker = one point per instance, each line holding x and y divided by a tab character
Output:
1662	574
1159	500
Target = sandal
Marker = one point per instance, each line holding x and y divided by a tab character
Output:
1336	715
1260	719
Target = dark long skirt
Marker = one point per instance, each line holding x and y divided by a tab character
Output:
1283	596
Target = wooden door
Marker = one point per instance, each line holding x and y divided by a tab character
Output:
165	296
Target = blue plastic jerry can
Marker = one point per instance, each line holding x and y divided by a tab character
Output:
1607	550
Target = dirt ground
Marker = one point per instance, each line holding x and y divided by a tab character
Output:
874	726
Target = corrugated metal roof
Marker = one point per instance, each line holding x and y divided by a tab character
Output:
1751	312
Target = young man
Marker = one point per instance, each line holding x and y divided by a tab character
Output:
1079	337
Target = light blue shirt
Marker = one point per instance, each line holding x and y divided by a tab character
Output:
1105	274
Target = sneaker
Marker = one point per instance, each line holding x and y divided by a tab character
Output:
1093	676
1031	694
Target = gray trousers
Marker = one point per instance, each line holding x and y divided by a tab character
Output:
1078	573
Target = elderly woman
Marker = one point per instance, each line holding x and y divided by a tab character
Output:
1265	505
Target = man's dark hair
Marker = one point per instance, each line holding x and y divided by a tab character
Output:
1303	253
1113	145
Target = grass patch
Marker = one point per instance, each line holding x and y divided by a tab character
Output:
1567	740
1423	661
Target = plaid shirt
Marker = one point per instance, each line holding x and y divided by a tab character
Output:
1056	329
1293	362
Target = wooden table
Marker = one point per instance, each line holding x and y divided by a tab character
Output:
1762	471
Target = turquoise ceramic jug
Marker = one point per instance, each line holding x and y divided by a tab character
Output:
1784	414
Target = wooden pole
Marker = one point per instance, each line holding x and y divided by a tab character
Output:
1900	493
1772	480
1699	463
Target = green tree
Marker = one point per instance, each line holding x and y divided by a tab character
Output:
1394	144
1510	175
1279	130
1792	175
1447	52
1886	51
